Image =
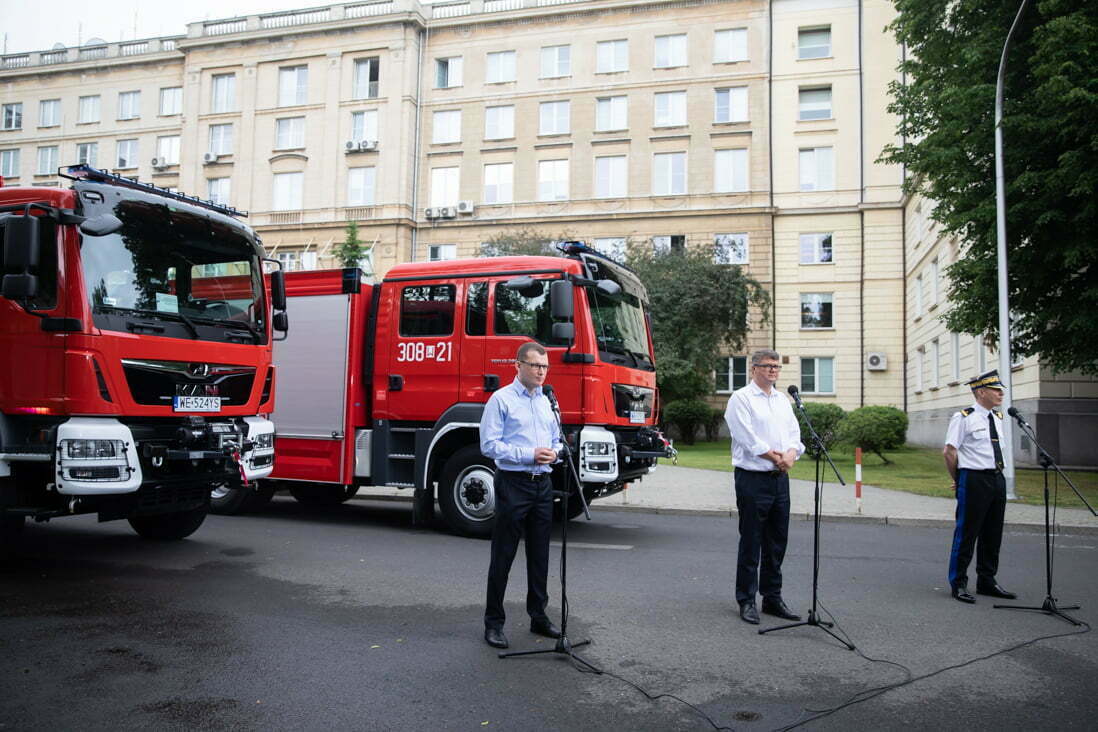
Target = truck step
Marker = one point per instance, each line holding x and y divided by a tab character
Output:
401	456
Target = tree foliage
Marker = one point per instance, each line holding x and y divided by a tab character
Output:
525	241
1050	138
875	429
687	416
826	419
352	251
699	311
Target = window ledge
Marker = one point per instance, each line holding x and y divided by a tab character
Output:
954	383
726	122
93	122
830	328
498	83
559	76
815	58
672	66
551	135
816	119
933	306
47	127
817	264
918	391
935	388
615	71
616	131
126	119
732	61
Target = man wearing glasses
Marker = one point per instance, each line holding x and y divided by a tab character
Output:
766	441
519	432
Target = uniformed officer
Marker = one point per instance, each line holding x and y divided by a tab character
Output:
974	460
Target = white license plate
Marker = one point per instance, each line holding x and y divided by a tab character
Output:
196	404
636	417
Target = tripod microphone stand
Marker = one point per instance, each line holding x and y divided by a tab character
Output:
563	646
818	450
1049	606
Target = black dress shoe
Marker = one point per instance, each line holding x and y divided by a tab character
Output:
749	613
779	608
961	593
545	628
495	638
994	590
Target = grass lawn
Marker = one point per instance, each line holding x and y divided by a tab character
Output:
913	469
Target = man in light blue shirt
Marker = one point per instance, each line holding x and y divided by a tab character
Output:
519	432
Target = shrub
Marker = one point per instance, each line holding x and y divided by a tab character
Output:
825	418
713	425
874	429
687	415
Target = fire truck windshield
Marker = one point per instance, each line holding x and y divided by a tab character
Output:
195	276
620	325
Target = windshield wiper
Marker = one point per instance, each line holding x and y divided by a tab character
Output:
155	314
643	360
617	351
231	324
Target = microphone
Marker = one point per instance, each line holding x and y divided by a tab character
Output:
547	390
796	394
1013	412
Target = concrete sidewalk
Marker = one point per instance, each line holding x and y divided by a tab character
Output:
672	489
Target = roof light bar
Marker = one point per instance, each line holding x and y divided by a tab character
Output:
87	172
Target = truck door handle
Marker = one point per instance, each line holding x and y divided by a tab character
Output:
491	382
396	383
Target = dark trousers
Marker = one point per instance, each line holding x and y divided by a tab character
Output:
524	506
981	505
762	500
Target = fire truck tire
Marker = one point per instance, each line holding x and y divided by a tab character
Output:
229	501
466	494
169	526
331	494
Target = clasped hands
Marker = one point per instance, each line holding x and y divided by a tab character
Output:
544	455
782	461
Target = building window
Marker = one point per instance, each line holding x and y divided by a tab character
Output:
955	357
221	139
500	67
611	113
670	51
167	149
918	295
427	310
47	160
668	243
730	374
448	72
730	171
669	174
361	186
13	116
611	176
670	109
290	261
499	122
817	169
556	61
288	191
920	368
730	248
553	118
814	42
816	310
364	125
730	105
129	105
441	252
934	361
87	153
932	276
9	163
815	103
223	97
49	113
218	190
498	182
289	133
730	45
611	246
87	109
365	82
293	86
611	56
552	180
816	249
818	375
444	186
446	126
171	100
980	349
126	154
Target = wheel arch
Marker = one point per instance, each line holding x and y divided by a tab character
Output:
458	426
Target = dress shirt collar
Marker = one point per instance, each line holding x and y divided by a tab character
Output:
521	390
756	390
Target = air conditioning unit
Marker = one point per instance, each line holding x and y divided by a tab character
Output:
876	361
208	158
465	207
159	163
432	213
351	146
367	145
448	212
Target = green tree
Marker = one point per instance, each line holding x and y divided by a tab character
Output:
875	429
699	310
352	251
524	241
947	104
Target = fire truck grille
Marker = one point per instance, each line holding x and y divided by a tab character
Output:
157	382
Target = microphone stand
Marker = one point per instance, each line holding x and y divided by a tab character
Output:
563	645
1049	606
818	449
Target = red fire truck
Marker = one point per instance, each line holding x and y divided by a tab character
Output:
135	354
384	384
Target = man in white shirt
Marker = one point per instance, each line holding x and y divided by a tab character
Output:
766	441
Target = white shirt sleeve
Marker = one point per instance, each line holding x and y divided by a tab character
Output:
737	415
955	435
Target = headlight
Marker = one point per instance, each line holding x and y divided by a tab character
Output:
264	441
597	448
92	449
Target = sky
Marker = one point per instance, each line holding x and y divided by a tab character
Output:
72	22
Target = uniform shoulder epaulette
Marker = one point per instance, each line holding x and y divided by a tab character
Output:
967	411
997	413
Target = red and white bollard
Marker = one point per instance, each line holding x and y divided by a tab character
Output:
858	477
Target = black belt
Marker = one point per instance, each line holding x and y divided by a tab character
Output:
767	473
525	474
983	470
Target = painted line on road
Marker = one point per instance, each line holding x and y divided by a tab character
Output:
584	545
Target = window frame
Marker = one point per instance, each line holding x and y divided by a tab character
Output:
817	153
555	118
503	187
501	64
223	93
825	299
87	106
11	116
731	373
133	96
814	111
133	158
673	106
816	239
366	189
676	55
494	114
451	69
178	101
744	257
806	30
294	131
816	375
617	52
719	169
613	183
671	157
293	85
731	47
559	61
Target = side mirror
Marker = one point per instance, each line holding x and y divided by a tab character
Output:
278	289
100	225
19	286
560	295
564	332
525	285
21	243
608	287
280	322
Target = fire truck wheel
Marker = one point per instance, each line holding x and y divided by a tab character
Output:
169	526
229	501
331	494
466	493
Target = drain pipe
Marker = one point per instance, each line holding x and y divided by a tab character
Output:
424	38
770	170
